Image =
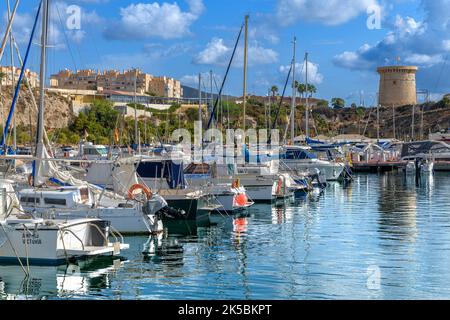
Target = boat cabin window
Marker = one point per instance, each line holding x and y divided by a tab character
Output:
57	202
29	200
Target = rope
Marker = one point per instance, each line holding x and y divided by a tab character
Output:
15	252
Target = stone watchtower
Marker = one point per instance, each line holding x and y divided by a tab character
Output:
397	86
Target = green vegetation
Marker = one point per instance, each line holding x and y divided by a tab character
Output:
338	103
305	90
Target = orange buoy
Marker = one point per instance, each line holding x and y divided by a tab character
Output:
240	225
136	187
241	200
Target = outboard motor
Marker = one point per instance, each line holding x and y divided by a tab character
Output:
151	209
318	178
169	213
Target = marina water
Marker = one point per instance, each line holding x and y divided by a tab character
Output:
383	236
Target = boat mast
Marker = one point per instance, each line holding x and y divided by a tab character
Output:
211	88
378	122
393	122
245	69
294	93
200	114
412	122
136	133
43	70
307	98
12	79
8	29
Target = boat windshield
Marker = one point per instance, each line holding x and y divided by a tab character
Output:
298	154
102	151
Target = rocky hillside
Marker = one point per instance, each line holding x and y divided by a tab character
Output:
58	112
327	121
428	118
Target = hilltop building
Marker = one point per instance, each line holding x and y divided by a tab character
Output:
10	75
397	86
113	80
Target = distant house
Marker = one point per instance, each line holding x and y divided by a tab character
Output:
112	80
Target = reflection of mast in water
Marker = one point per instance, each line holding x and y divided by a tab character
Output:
397	205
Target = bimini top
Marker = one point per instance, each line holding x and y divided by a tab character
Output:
419	149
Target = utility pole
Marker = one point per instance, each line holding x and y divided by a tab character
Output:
307	98
245	69
294	94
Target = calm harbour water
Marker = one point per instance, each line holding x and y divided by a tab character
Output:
382	237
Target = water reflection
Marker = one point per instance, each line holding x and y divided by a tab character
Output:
397	206
62	282
164	250
319	247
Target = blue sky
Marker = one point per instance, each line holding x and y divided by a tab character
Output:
182	38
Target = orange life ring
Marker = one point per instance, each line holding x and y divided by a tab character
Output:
135	187
30	180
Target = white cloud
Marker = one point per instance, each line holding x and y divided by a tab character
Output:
215	53
314	76
154	20
158	51
328	12
424	59
218	53
446	45
420	42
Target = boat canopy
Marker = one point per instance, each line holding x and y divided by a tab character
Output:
297	154
424	147
163	169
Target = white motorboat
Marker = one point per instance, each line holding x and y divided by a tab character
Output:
300	158
126	215
25	239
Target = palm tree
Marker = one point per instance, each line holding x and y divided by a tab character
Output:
311	89
274	91
301	89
